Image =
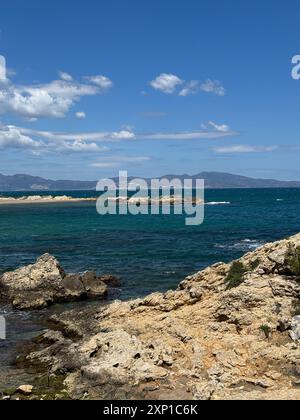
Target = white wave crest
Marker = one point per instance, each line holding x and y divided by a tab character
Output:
218	203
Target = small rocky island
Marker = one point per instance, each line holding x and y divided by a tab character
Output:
229	332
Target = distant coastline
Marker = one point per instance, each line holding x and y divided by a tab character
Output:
48	199
213	180
38	199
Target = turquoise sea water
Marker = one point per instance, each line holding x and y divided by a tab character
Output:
149	253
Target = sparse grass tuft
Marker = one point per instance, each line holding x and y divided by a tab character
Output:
236	274
266	330
254	264
293	261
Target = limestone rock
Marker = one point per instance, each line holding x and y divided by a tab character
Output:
111	281
41	284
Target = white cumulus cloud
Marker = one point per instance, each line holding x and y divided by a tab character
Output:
170	83
79	146
209	86
213	86
65	76
103	82
191	88
80	115
38	142
12	138
223	128
53	99
166	83
2	68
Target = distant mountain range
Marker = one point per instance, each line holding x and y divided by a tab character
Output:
22	182
212	180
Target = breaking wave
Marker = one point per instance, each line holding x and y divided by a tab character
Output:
218	203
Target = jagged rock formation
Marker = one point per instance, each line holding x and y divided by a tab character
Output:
228	332
45	282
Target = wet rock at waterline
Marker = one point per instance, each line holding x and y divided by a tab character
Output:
44	283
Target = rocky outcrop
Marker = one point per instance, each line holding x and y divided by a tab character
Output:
228	332
41	284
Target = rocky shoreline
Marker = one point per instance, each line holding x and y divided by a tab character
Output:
40	199
229	332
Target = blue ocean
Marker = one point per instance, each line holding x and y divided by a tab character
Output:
149	253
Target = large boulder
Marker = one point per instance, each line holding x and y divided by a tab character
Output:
41	284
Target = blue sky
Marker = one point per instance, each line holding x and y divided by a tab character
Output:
153	87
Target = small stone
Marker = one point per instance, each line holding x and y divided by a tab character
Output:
263	383
273	375
25	389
